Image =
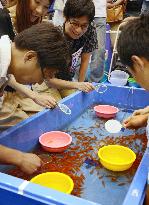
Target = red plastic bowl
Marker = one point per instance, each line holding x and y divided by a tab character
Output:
106	111
55	141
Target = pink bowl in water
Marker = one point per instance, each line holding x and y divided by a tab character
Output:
55	141
106	111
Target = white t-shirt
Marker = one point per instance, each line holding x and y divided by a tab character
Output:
100	8
58	18
5	59
1	6
59	5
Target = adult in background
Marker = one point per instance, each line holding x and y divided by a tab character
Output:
145	7
98	55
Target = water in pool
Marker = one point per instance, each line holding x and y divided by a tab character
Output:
80	161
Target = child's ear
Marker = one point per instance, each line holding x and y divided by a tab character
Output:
138	64
45	73
30	56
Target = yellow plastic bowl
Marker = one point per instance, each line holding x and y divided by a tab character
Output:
55	180
116	157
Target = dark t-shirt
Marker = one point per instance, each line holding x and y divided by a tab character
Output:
85	44
6	27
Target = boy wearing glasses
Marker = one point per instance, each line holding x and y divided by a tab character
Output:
81	37
80	34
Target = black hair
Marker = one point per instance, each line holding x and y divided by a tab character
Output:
48	42
79	8
134	40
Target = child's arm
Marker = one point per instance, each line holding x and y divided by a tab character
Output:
85	58
137	121
141	111
63	84
27	162
44	101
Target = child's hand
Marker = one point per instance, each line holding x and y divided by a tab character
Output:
44	101
85	86
29	163
141	111
135	122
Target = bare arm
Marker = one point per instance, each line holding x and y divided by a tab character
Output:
21	88
27	162
42	100
10	156
85	57
136	121
63	84
141	111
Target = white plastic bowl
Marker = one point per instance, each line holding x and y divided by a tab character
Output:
119	74
118	81
118	78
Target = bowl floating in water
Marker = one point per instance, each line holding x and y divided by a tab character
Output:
106	111
55	180
113	126
116	157
55	141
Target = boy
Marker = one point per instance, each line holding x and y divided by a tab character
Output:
80	33
98	55
133	51
36	54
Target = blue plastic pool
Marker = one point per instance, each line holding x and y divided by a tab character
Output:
24	136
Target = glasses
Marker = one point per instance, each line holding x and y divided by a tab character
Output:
78	25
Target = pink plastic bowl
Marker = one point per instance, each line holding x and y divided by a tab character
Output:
106	111
55	141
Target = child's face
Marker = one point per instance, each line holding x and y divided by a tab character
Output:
76	27
39	8
140	71
26	69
